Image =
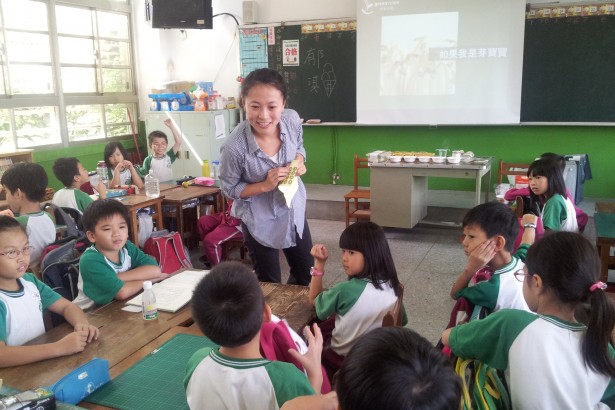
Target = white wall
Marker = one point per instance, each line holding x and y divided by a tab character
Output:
213	55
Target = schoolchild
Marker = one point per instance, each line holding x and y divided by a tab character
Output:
161	160
229	307
253	161
121	171
25	184
489	232
23	298
358	305
550	360
548	190
72	174
113	267
513	193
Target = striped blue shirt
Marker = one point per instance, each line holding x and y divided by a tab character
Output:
242	162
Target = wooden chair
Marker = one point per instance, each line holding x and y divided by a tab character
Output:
236	244
395	317
359	198
510	168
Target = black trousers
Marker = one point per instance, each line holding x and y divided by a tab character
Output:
266	260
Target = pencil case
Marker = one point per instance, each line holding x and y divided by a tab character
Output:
81	382
112	193
206	181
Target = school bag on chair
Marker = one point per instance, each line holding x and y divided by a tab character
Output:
483	387
169	252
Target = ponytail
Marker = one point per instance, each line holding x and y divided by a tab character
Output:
597	337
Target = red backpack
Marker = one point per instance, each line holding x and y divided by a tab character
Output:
169	252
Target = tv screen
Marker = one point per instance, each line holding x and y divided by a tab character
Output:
182	14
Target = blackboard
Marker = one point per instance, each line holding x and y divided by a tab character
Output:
569	69
322	78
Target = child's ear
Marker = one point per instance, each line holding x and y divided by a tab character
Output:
500	243
267	313
91	236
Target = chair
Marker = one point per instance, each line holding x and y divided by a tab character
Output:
510	168
395	317
233	244
358	197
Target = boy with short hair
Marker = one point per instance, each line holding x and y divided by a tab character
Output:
489	232
113	267
22	300
72	174
25	184
161	160
229	307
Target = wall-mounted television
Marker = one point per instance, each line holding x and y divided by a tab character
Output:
182	14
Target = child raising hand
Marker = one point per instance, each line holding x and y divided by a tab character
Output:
354	307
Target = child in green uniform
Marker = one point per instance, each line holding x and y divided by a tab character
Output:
550	360
25	184
161	160
113	267
72	174
352	308
229	307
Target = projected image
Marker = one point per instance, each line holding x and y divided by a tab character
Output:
409	64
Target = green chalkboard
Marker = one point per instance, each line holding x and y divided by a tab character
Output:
569	70
322	84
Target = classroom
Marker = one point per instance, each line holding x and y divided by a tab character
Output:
59	100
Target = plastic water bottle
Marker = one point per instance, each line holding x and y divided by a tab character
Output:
152	186
215	171
205	168
148	300
103	175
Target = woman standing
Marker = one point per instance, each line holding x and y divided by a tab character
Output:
253	161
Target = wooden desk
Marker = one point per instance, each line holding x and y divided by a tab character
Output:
605	207
605	240
179	196
399	190
134	203
125	337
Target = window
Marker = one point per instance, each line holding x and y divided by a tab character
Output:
66	71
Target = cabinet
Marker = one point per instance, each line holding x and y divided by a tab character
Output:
203	134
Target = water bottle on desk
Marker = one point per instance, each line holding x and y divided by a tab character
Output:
215	172
103	175
205	168
148	300
152	186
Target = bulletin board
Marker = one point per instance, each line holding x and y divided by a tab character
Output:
317	60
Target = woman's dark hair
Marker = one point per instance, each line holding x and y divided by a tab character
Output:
110	149
552	171
369	239
8	223
263	76
568	265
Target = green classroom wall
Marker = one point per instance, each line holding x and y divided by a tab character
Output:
510	143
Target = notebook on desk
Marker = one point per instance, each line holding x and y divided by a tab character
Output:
175	292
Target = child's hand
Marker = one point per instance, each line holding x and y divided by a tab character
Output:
168	122
127	164
311	361
73	343
7	212
92	331
481	255
320	253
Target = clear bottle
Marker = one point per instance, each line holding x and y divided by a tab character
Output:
152	185
205	168
215	171
103	175
148	300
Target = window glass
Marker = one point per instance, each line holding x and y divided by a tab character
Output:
114	52
117	80
36	126
84	122
76	50
27	47
73	20
112	25
25	15
116	118
2	87
6	136
31	79
78	79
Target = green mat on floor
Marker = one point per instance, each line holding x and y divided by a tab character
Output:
156	381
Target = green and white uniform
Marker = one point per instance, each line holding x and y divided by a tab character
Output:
541	357
21	312
502	290
215	381
98	282
125	176
559	214
162	167
72	198
358	306
41	232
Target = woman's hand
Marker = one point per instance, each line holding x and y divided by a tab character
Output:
274	176
301	169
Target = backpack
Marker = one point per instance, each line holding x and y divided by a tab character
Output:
69	217
169	252
482	386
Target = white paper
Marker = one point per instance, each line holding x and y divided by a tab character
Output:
175	292
220	126
290	185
